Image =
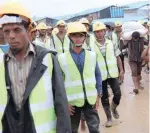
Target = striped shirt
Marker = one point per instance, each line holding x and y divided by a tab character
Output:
19	71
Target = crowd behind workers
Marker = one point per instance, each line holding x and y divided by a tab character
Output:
53	78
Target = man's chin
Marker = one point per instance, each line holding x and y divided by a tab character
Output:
15	51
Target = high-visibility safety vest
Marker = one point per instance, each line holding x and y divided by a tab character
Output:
75	82
60	46
45	44
41	99
115	40
89	41
108	64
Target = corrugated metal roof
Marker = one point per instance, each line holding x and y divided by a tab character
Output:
125	19
137	5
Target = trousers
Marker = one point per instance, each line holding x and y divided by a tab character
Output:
91	117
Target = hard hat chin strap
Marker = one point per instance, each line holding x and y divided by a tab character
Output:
77	45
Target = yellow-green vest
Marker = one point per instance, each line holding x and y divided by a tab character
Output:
108	65
115	40
46	44
89	41
59	46
41	99
73	80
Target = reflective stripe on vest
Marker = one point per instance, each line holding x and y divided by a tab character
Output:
73	81
3	90
59	46
41	99
111	60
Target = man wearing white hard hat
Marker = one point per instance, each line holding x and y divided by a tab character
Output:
32	94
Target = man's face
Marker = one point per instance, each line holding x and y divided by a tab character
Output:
16	36
49	32
118	28
78	38
42	32
87	27
100	34
1	34
61	28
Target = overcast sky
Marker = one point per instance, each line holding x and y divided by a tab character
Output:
53	8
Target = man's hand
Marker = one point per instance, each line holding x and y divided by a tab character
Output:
96	106
71	109
121	75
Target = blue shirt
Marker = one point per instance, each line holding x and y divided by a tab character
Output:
4	48
79	61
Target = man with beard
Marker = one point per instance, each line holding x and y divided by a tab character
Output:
32	94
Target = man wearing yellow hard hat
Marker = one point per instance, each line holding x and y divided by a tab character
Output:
89	38
32	94
109	62
60	39
3	45
49	31
82	79
33	31
42	38
116	38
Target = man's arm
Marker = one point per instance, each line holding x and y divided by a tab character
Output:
60	100
98	80
145	55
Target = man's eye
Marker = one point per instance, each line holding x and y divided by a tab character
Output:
17	30
6	32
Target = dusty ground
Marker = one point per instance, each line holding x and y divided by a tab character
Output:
134	110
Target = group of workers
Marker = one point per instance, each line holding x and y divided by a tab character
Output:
52	81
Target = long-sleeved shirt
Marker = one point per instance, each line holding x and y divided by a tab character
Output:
79	61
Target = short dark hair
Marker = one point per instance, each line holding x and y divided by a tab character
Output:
136	34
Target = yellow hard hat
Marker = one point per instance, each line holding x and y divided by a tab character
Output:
61	22
84	21
42	26
16	8
141	22
76	27
98	26
55	31
148	23
118	23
